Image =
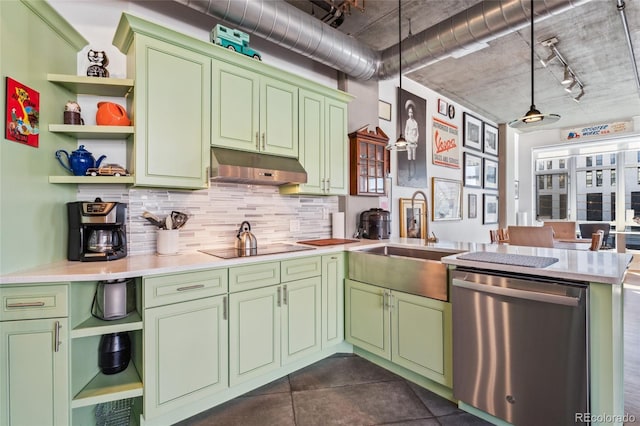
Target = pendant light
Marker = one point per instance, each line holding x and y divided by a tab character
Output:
533	117
401	143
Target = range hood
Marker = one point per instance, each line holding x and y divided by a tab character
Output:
229	165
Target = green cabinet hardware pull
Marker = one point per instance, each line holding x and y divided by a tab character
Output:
25	305
191	287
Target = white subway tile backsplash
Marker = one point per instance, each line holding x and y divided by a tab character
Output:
216	214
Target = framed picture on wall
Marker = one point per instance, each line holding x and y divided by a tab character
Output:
490	139
411	225
384	110
489	209
443	107
473	206
472	130
472	170
446	199
490	174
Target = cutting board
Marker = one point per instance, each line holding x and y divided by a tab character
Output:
327	242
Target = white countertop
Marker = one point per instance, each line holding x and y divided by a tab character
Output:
591	266
602	266
151	264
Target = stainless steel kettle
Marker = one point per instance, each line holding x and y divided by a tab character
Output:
245	241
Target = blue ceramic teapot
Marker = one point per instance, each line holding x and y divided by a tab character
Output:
79	161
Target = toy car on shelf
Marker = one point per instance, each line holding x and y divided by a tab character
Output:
234	40
107	170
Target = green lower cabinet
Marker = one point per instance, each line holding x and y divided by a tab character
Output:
186	356
411	331
34	358
272	326
332	299
421	336
301	319
367	319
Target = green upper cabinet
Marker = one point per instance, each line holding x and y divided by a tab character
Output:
323	145
171	108
254	112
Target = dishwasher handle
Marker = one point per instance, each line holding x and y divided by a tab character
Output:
520	294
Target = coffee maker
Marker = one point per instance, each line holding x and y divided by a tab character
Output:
97	230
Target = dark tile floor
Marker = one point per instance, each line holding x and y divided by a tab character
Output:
348	390
343	389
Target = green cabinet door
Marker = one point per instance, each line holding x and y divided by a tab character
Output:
301	318
279	117
332	299
336	147
254	333
367	321
35	372
312	141
323	145
186	354
172	113
236	112
253	112
421	336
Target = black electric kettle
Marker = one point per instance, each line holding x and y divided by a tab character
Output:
246	242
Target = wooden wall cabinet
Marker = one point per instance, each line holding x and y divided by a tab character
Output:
369	162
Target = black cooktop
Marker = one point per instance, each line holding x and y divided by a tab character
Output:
232	253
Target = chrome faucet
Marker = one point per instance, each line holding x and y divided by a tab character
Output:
427	239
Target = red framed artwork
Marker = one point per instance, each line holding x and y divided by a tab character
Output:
22	113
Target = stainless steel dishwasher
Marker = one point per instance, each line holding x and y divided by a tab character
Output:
520	346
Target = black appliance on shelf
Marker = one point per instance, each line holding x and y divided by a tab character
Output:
114	352
375	224
97	230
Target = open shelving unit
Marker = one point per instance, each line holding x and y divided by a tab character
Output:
93	85
117	87
89	385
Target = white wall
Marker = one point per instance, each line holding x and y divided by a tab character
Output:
471	230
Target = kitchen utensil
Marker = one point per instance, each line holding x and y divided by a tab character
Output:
114	352
153	219
110	114
114	299
375	224
245	240
168	223
179	219
79	161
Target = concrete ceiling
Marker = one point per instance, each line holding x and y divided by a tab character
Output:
496	81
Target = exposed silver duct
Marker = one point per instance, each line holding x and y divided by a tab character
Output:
289	27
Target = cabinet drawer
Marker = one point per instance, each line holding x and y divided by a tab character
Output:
166	289
29	302
297	269
254	276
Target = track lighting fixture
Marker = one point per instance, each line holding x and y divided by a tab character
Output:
568	76
570	87
550	58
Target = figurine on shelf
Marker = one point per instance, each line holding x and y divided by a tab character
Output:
72	113
99	62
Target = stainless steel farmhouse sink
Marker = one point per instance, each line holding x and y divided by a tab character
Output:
405	269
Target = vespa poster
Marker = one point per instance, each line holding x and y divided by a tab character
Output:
446	151
22	114
412	123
